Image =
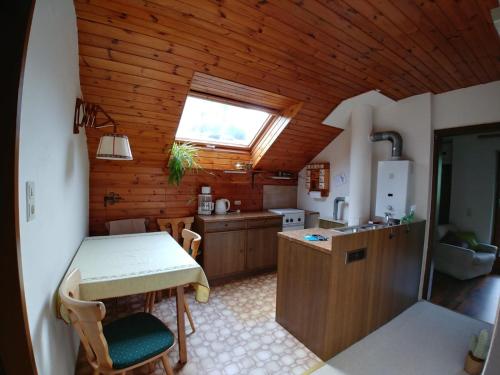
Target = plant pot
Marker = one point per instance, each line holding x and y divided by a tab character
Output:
473	365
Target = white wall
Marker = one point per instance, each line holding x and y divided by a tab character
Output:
411	117
338	154
473	184
57	161
470	106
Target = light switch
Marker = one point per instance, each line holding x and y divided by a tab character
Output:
30	201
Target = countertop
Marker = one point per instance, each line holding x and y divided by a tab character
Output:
325	246
238	216
298	236
307	212
330	218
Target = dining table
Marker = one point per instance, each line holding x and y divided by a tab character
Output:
123	265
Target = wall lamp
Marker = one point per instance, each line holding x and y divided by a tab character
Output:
112	146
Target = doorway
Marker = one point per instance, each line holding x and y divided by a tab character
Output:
461	270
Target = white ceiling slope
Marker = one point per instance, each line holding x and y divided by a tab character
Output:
339	117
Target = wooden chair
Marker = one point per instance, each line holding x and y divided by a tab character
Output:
175	223
127	226
191	243
119	346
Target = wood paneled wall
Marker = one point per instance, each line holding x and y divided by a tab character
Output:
146	192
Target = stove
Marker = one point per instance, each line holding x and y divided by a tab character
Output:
293	218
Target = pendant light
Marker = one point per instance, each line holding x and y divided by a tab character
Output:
112	146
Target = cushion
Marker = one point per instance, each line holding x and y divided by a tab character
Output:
136	338
469	237
451	238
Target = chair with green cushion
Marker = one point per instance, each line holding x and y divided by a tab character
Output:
459	254
120	346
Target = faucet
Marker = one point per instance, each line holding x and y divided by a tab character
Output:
336	207
388	215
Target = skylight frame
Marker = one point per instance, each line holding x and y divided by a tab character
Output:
272	116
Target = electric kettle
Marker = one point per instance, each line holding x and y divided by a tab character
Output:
222	206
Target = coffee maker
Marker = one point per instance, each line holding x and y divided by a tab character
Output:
205	204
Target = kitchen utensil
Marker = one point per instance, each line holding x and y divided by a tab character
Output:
222	206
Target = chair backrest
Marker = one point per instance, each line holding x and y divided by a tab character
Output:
127	226
191	242
175	224
86	318
445	228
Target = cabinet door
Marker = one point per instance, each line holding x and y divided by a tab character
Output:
262	247
224	253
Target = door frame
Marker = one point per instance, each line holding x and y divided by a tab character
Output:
16	351
496	215
438	136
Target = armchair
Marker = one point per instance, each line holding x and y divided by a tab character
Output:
461	262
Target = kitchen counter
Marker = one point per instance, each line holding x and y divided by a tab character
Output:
237	216
307	212
238	244
330	218
333	293
298	237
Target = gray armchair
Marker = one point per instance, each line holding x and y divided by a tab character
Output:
460	262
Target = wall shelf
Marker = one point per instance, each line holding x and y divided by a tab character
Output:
282	178
318	178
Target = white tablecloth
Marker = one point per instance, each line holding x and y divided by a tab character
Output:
120	265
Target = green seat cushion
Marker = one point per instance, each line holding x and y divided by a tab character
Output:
136	338
470	238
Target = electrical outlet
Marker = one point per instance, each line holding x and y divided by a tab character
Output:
237	203
30	201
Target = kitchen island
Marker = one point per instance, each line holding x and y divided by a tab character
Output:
333	293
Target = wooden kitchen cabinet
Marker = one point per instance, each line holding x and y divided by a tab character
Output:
226	252
262	245
331	294
238	244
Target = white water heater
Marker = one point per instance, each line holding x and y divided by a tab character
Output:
394	185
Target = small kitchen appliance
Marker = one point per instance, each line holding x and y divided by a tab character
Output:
222	206
293	218
205	204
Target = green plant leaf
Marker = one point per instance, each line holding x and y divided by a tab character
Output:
183	157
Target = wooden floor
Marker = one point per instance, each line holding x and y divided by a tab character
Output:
477	298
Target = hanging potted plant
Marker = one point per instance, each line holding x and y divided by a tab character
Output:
183	157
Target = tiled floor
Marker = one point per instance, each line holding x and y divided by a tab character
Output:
235	332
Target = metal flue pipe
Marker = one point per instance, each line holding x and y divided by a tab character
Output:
394	138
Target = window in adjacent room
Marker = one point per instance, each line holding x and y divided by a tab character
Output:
213	121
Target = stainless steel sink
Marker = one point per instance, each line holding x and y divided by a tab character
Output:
360	228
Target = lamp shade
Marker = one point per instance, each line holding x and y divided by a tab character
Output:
114	147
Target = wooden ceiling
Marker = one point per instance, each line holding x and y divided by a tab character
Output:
137	59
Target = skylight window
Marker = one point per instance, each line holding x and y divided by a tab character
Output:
214	122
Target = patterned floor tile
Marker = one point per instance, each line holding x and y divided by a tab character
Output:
236	332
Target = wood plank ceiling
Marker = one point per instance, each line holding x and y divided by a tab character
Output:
138	57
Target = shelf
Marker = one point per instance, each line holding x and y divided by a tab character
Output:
282	178
318	178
